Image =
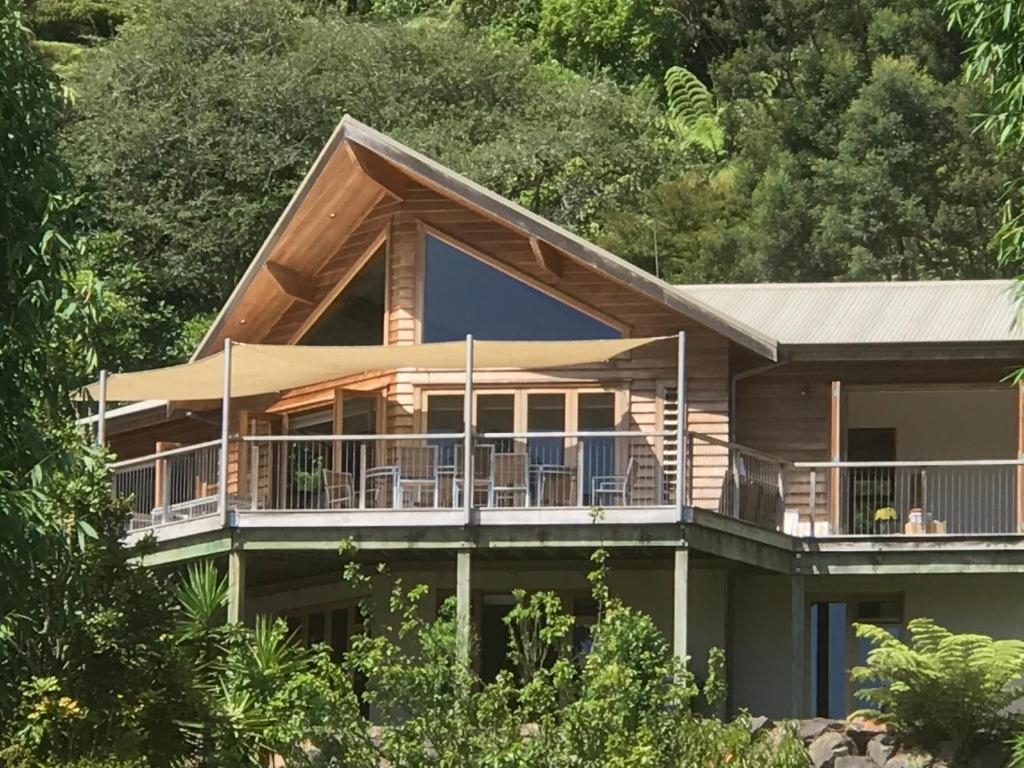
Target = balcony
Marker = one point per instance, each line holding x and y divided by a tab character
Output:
420	479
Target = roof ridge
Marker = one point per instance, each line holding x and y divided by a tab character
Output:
851	284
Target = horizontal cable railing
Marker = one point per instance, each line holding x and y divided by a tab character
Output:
912	498
170	486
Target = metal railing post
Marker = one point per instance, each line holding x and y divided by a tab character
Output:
468	481
362	475
814	503
681	452
225	425
579	472
254	475
101	415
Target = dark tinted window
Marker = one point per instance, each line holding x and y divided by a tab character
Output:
464	295
357	315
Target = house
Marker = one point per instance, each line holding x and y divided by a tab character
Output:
766	464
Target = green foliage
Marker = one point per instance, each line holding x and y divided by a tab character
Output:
941	686
995	62
693	110
195	125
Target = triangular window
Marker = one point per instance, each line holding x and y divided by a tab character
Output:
356	316
462	295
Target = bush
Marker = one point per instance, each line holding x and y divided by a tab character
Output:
941	687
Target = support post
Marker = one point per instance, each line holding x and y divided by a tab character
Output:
236	587
680	586
101	416
225	425
468	484
681	490
798	644
1020	456
462	604
835	454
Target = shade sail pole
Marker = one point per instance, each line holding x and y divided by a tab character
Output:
467	436
101	416
225	424
681	495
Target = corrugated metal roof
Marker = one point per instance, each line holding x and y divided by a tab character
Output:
869	313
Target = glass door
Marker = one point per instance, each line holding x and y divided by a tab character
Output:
596	413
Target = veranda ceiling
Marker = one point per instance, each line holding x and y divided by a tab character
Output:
259	369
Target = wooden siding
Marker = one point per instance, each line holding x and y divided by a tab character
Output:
785	410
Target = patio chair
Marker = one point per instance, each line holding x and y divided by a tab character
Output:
417	472
483	474
616	489
339	489
512	479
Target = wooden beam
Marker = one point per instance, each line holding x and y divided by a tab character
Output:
835	453
379	171
293	283
236	587
549	261
680	588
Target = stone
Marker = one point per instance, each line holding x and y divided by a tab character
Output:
758	724
827	747
854	761
880	748
809	730
863	731
909	760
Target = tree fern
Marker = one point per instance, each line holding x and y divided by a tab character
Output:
940	686
693	111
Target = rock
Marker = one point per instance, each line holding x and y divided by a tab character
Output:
758	724
827	747
529	730
909	760
809	730
863	731
880	748
854	761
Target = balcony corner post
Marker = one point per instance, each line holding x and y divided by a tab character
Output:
462	605
236	586
468	481
681	457
680	589
101	414
225	424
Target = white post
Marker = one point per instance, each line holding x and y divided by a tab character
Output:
467	436
463	604
225	425
680	587
101	417
681	427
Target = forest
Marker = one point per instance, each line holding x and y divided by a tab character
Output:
705	140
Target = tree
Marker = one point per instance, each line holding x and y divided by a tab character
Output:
195	125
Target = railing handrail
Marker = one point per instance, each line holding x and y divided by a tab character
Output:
739	447
350	438
171	452
907	464
575	433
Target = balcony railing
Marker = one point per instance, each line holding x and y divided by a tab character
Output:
912	498
589	470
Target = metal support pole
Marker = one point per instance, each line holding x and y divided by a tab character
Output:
681	496
680	587
101	416
225	425
462	604
362	475
236	587
798	643
468	484
814	503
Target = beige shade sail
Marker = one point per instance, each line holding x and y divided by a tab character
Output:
260	369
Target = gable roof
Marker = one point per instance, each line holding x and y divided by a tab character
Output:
377	157
919	312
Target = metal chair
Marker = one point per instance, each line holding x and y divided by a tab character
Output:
339	489
512	479
483	474
617	488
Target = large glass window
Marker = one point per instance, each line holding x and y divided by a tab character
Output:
546	413
464	295
496	413
596	414
356	318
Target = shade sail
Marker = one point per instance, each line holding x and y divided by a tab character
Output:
260	369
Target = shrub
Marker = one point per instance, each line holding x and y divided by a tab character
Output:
941	686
